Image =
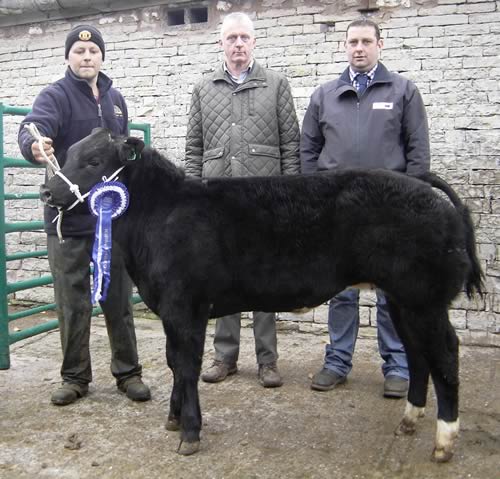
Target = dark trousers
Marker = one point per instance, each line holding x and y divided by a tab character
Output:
227	338
69	263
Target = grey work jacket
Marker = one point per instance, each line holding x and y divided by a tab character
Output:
245	130
386	127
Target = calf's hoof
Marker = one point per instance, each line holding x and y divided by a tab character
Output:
441	455
446	433
172	424
188	448
411	416
405	427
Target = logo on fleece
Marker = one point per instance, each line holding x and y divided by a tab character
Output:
118	111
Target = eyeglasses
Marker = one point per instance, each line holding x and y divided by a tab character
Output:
233	38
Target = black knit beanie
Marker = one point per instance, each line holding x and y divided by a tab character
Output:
85	33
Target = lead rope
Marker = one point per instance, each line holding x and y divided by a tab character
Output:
52	168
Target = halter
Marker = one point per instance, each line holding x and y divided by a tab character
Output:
53	168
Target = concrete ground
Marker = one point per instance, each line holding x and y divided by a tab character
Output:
249	432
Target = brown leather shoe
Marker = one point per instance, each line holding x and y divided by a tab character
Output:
218	371
269	376
135	389
68	393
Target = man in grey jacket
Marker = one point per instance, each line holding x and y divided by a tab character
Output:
367	118
242	122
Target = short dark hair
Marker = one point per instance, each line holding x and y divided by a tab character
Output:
364	22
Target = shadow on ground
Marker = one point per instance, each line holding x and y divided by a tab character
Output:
249	432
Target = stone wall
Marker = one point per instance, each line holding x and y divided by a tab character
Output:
450	49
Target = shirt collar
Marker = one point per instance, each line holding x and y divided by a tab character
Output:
371	73
243	75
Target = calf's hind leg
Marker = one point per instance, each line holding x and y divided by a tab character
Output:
406	325
432	347
444	372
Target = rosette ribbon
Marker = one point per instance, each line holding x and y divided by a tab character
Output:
107	200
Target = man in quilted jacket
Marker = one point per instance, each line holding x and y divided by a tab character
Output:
242	122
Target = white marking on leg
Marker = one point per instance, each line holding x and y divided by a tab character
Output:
446	433
412	413
409	421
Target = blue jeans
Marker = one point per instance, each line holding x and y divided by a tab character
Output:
343	326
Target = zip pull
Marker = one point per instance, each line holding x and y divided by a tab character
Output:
99	113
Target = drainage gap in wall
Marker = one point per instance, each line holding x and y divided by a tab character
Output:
187	16
366	12
175	17
198	15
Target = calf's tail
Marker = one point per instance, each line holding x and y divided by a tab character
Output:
474	280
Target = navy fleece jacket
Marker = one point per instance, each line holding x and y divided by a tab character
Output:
67	111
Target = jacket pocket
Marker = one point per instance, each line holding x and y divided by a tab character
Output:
213	162
264	160
263	150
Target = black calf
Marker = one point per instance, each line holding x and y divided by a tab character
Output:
205	248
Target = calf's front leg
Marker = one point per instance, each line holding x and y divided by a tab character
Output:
184	356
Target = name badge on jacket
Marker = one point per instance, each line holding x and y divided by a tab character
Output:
382	106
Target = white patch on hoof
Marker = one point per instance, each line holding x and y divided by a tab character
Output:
414	412
445	438
409	421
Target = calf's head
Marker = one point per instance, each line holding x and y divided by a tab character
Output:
94	157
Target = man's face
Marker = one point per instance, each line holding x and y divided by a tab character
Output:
362	48
85	60
238	44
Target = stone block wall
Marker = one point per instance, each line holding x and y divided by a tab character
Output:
450	49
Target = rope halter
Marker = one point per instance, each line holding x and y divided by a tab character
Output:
53	168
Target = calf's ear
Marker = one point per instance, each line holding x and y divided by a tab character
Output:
131	149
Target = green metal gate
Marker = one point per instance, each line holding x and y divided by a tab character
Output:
6	338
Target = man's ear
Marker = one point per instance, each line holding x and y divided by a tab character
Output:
131	149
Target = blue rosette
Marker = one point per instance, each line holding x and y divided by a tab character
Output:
107	201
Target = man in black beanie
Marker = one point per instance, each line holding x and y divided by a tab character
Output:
64	113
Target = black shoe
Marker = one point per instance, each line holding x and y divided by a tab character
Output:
68	393
135	389
218	371
326	380
395	387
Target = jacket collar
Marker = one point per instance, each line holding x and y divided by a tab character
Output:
103	82
257	73
382	75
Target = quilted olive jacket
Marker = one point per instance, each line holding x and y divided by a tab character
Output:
245	130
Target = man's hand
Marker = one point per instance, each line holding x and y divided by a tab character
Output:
47	148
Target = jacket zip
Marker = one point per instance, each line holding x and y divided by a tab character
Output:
99	112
